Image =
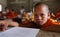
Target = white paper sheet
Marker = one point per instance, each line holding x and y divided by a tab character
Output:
20	32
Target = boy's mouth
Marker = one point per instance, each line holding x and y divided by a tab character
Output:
38	22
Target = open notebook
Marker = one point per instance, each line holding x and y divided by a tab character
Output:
20	32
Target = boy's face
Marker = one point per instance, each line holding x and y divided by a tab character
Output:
41	14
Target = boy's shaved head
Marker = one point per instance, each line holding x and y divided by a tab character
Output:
41	12
41	4
37	4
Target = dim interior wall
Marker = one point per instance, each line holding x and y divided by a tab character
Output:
4	3
54	5
16	4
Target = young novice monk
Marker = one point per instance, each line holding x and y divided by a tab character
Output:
42	18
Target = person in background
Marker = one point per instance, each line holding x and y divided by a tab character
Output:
8	21
12	14
1	16
5	23
22	10
7	10
52	15
11	18
32	16
57	16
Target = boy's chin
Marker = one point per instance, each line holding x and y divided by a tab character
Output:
39	23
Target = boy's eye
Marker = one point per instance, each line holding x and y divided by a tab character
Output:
41	14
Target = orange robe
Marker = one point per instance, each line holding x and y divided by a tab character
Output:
57	15
11	15
51	25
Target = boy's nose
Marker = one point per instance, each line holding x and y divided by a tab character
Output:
38	18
